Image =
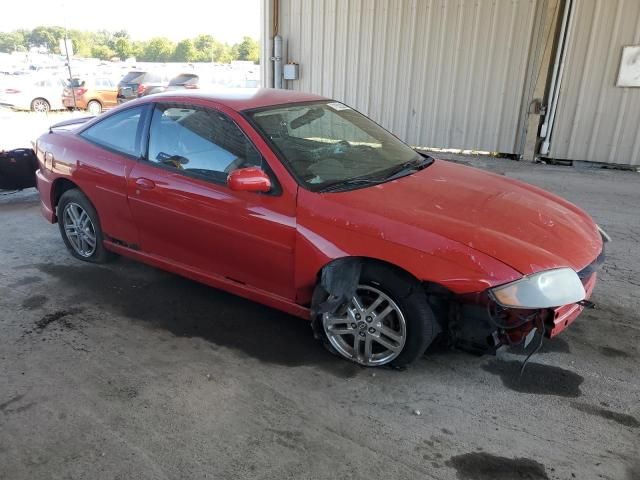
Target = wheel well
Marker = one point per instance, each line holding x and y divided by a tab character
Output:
95	100
59	187
368	260
438	296
40	98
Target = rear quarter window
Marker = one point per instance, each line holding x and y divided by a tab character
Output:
120	132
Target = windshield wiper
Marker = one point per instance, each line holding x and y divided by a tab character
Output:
340	184
390	174
407	167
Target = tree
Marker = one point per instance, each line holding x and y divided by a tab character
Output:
249	49
185	52
206	48
122	47
158	49
48	37
102	52
226	54
82	43
137	49
10	42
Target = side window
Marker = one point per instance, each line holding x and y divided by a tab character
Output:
199	142
118	132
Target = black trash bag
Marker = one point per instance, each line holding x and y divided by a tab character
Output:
18	169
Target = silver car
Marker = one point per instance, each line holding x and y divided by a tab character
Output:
38	94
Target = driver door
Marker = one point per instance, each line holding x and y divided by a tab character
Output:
188	216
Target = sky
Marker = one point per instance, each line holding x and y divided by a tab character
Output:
227	20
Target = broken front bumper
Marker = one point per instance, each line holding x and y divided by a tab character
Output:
479	324
566	315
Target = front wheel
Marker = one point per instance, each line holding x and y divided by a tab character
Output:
387	321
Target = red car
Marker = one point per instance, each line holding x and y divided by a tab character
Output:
303	204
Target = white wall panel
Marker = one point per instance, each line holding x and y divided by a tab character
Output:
438	73
597	121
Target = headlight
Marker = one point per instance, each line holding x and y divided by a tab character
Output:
551	288
605	236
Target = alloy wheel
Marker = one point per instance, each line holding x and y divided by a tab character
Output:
40	105
79	229
371	330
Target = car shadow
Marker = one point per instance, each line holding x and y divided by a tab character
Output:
190	309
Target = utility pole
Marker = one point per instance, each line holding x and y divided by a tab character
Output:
66	51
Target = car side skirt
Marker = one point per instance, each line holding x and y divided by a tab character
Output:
215	281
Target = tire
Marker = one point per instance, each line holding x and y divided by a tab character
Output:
80	228
94	107
40	105
410	319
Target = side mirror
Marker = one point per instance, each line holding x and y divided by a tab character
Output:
250	179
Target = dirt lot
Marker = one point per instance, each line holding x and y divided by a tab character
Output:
126	372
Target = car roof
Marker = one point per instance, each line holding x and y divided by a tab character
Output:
245	98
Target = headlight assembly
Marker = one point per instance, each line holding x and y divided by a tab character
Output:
551	288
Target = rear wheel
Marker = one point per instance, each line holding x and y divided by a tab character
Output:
40	105
80	227
387	321
94	107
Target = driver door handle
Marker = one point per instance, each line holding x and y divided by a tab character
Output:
145	184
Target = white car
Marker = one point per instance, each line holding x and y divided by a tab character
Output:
38	94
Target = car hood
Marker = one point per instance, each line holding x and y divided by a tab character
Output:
518	224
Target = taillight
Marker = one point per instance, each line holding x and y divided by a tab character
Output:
141	88
80	91
11	90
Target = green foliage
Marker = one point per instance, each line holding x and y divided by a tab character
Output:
103	52
248	49
10	42
82	42
106	45
185	52
122	47
158	49
48	37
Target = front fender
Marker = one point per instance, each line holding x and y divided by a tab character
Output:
456	267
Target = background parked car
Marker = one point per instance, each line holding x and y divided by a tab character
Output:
37	94
184	81
94	94
138	84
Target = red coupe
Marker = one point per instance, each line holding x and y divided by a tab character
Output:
303	204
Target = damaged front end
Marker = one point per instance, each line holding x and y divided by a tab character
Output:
512	314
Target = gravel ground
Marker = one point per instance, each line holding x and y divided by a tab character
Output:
124	371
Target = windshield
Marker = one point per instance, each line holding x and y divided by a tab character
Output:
328	143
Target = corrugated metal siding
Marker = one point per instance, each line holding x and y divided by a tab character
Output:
438	73
597	121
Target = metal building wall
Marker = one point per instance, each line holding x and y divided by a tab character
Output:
438	73
597	121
